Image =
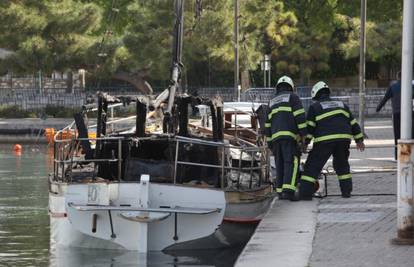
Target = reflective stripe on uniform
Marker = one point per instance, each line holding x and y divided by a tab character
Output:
354	121
358	136
298	112
295	171
279	190
309	136
276	110
281	133
302	125
268	125
332	137
289	186
332	113
345	176
308	178
311	123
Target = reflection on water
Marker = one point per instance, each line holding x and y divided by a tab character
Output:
24	223
111	258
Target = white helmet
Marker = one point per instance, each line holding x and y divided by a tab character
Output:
317	87
285	79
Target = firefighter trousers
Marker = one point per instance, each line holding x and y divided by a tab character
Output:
287	159
317	158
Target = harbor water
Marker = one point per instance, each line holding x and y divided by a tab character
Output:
24	223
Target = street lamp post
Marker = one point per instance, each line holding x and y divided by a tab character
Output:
362	51
405	207
266	68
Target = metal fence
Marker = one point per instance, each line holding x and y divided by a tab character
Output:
349	96
33	99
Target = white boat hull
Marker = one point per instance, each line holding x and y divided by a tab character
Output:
70	227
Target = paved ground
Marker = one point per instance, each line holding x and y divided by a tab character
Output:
356	231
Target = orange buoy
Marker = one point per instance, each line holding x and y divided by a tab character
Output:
49	133
17	148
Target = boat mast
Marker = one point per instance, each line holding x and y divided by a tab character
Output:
236	49
176	65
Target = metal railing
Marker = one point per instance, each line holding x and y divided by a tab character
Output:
255	152
67	147
66	156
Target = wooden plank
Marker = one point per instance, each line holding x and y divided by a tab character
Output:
210	133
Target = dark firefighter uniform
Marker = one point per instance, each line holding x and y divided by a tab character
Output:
285	126
332	126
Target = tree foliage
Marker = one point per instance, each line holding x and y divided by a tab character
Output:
48	35
135	36
309	49
383	42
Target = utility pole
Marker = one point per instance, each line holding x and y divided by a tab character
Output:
405	211
236	48
266	67
362	50
40	81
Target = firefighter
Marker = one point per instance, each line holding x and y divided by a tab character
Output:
332	126
285	128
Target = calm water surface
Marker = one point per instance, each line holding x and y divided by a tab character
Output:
24	223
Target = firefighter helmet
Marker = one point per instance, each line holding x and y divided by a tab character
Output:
317	87
285	79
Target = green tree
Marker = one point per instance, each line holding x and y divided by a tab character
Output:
48	35
383	43
133	38
308	50
264	26
146	45
383	31
377	11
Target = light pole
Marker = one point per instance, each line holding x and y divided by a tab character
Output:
362	51
405	210
266	66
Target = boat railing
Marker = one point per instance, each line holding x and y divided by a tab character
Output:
66	156
67	146
231	120
262	169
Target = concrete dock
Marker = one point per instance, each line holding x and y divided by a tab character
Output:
284	237
334	231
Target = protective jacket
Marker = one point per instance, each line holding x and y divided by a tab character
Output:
286	119
331	120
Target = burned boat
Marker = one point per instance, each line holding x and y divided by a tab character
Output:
198	188
179	186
